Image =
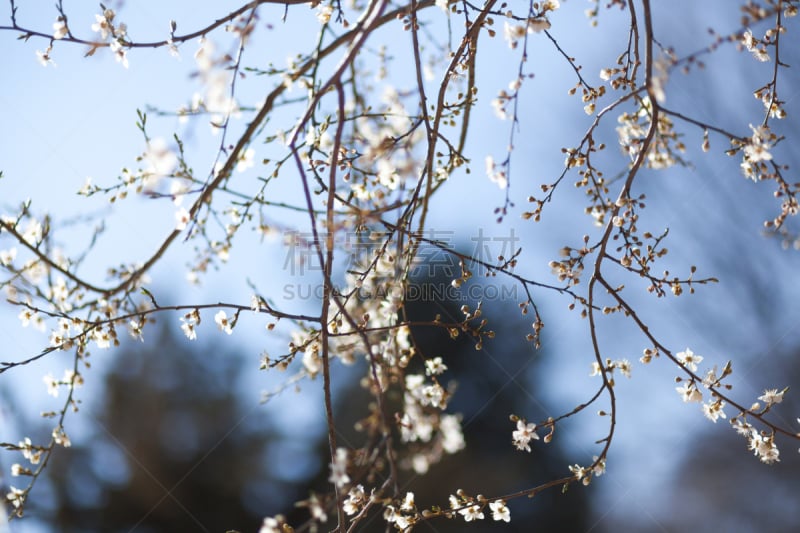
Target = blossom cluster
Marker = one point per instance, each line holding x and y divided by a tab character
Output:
513	32
666	148
472	509
761	442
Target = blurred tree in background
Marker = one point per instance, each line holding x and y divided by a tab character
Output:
175	447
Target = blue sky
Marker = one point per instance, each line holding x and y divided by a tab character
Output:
76	119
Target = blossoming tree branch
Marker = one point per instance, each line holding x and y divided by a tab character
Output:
356	135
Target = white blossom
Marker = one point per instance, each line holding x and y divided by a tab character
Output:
473	512
324	13
59	29
772	396
355	500
452	435
513	33
223	323
246	160
689	392
188	327
522	436
338	466
689	359
497	176
764	447
434	366
499	511
713	410
270	525
15	496
103	24
182	218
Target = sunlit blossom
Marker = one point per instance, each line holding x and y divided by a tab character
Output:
522	436
59	29
689	359
500	511
223	322
473	512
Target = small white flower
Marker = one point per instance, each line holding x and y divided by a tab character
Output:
15	496
26	316
600	466
204	55
473	512
497	176
538	24
120	54
182	218
390	514
324	13
355	498
246	160
338	466
454	503
742	428
56	340
764	447
103	24
270	525
312	362
408	502
7	256
689	392
452	435
52	385
221	319
580	473
435	366
711	380
59	29
513	33
317	511
188	329
689	359
34	456
499	105
624	367
135	329
60	438
522	436
757	152
772	396
44	57
751	43
102	338
748	40
500	511
550	5
713	410
433	395
160	161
